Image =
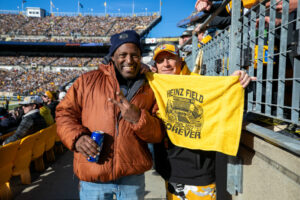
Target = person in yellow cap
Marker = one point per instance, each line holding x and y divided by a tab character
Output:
189	174
49	100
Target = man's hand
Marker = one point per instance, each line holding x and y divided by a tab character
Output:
267	20
244	77
203	5
293	5
86	146
129	111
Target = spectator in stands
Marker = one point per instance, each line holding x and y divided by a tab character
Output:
49	100
222	20
186	35
170	159
31	122
6	121
45	112
115	100
62	93
293	4
205	36
17	114
203	5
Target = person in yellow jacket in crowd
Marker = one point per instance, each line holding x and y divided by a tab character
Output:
189	174
46	114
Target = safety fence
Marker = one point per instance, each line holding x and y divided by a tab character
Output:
266	50
263	40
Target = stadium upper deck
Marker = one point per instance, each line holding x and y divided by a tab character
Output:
18	27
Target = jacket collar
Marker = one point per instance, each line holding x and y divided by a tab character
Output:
31	112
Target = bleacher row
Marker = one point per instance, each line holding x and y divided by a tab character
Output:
50	61
17	156
12	26
32	81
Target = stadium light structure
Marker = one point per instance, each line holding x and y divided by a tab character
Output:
51	6
132	7
160	4
23	2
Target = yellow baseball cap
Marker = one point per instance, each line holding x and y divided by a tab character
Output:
169	47
49	94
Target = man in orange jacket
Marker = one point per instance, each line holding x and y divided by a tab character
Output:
117	100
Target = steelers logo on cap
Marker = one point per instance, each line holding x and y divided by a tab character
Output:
123	36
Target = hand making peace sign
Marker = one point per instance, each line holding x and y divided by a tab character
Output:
129	111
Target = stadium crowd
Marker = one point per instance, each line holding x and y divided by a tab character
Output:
50	61
30	82
75	26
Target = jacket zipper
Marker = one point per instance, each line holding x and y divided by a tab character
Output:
117	120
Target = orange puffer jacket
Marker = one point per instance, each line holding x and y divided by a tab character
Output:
86	108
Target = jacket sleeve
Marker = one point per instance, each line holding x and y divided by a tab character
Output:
149	127
68	115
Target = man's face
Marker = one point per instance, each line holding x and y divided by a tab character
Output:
127	59
200	36
186	38
168	63
28	108
45	98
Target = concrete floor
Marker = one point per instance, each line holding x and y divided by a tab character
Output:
58	182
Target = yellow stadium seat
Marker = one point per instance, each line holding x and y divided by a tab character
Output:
38	151
7	155
23	158
50	141
3	137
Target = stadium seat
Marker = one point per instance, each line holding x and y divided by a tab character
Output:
50	141
23	158
3	137
38	151
7	155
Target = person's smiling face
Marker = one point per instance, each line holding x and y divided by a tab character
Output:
127	59
28	107
168	63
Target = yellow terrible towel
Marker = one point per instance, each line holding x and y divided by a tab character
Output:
200	112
